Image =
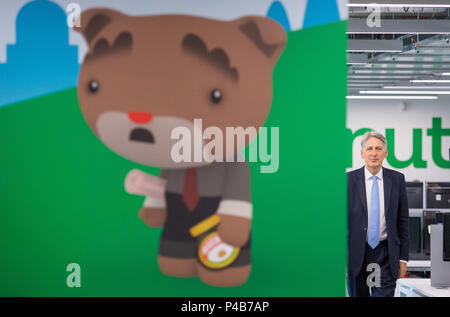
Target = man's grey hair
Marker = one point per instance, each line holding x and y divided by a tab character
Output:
373	134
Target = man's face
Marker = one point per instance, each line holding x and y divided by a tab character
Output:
373	153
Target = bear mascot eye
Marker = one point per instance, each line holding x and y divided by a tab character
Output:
216	96
93	86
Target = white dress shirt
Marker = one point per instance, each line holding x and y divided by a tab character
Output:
369	184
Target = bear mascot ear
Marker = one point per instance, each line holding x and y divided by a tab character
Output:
267	34
94	20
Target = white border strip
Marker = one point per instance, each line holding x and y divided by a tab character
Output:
154	202
238	208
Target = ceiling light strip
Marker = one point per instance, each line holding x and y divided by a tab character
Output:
399	92
398	5
395	97
416	87
429	81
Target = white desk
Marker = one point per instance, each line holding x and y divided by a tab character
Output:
419	287
415	266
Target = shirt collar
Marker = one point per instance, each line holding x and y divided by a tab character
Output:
368	175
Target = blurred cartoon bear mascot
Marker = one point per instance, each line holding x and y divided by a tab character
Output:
143	78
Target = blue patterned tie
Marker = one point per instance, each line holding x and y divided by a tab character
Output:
374	227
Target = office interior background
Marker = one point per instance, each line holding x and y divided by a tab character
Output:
399	84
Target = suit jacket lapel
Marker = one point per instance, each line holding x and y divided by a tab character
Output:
387	184
361	185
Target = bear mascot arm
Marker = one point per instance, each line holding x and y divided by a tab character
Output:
235	209
153	212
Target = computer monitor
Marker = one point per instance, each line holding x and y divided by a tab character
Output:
447	237
415	233
440	269
430	217
438	195
414	191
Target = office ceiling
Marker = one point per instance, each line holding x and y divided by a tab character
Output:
403	45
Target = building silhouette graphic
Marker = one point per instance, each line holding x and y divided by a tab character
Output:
278	13
41	61
317	12
320	12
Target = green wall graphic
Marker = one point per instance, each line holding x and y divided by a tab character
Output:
436	133
63	199
416	157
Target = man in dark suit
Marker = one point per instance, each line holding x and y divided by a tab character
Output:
378	219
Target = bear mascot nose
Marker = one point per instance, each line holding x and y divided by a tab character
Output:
140	117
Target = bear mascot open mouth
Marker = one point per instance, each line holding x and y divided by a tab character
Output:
142	135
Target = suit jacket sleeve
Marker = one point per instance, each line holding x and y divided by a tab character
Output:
236	196
403	221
